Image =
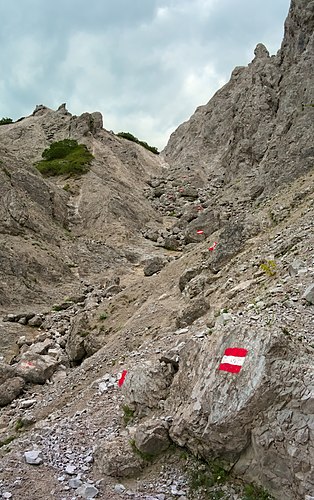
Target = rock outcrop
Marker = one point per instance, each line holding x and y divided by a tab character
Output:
256	125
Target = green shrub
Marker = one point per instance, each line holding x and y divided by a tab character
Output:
5	121
269	267
84	334
103	316
204	475
128	414
131	137
65	157
18	424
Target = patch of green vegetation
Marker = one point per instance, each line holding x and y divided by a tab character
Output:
65	157
18	424
5	121
57	308
6	171
84	334
269	267
6	441
128	414
67	187
254	492
204	475
131	137
310	105
147	457
103	316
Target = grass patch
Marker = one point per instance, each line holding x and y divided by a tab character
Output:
65	157
254	492
103	316
128	413
84	334
18	424
6	441
204	475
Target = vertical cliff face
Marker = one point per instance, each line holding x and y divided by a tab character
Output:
259	122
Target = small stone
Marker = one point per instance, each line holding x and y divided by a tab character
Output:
295	267
102	387
70	469
6	494
75	483
33	457
87	491
309	294
119	488
27	403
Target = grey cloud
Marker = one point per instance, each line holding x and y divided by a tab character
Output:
145	65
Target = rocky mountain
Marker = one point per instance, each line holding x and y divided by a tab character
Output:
157	311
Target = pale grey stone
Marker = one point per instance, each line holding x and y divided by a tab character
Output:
309	294
87	491
33	457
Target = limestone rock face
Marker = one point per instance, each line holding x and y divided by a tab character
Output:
240	130
238	416
147	385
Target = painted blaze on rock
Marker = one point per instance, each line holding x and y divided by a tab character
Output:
239	416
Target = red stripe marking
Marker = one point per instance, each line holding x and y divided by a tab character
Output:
235	351
229	368
122	378
200	231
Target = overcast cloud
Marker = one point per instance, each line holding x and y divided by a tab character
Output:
145	64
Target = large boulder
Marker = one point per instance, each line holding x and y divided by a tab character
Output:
10	389
260	419
153	265
147	385
79	330
197	307
151	437
36	368
10	384
117	458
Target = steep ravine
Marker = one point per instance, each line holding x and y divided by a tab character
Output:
162	266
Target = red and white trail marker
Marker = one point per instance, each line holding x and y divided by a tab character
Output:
213	247
200	231
122	378
233	359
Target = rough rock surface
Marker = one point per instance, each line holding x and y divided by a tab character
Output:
228	210
239	132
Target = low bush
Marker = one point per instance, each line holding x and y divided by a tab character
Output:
131	137
65	157
5	121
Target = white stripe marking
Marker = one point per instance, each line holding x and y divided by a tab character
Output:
233	360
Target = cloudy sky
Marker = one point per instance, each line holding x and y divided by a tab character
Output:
145	64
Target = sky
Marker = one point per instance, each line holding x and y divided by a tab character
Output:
144	64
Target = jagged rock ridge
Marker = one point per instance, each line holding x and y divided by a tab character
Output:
256	124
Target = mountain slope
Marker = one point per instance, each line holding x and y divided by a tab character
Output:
178	259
